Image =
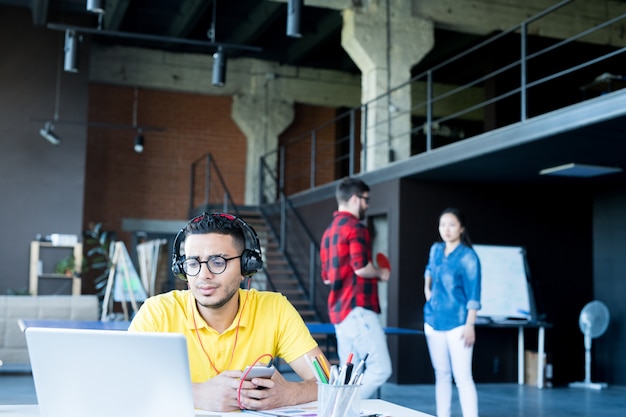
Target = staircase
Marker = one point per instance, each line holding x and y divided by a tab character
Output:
209	192
278	275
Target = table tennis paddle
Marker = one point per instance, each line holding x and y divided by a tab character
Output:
383	261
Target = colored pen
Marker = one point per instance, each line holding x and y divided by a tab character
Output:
343	371
349	367
324	365
310	363
359	379
358	369
320	372
342	376
334	375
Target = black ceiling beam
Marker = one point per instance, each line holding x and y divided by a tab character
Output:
115	12
311	40
152	38
187	17
39	10
256	22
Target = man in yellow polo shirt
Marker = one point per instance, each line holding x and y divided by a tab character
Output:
228	328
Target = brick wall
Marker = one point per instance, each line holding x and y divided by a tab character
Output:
121	183
155	184
297	141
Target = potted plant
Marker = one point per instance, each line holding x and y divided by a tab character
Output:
66	266
98	242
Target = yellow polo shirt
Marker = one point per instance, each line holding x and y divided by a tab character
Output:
270	324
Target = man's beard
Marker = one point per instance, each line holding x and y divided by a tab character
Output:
222	302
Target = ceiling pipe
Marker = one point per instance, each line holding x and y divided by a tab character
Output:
155	38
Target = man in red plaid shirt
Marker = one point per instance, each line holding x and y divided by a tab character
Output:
353	305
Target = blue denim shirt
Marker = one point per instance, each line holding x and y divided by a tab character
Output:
455	286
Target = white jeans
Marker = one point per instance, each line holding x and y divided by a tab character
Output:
360	333
450	357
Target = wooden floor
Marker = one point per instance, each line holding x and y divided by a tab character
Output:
495	400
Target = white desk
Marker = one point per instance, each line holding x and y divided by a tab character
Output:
521	325
378	406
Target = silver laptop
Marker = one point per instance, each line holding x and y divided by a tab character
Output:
109	373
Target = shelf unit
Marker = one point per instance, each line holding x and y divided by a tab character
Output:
35	274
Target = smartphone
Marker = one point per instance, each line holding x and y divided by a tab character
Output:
258	372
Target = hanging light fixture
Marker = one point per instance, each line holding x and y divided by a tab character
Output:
294	7
218	78
95	6
70	64
139	138
219	68
139	142
47	132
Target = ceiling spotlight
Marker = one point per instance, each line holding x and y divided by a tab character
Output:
70	64
294	7
139	142
47	132
219	68
95	6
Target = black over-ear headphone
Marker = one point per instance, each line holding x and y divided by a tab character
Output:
251	260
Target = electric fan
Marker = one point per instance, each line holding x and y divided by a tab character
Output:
593	322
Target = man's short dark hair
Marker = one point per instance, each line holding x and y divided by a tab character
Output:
219	223
349	187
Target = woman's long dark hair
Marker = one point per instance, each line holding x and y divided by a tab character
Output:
465	239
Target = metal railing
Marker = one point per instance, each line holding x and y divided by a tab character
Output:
210	192
296	242
539	69
208	188
452	101
457	99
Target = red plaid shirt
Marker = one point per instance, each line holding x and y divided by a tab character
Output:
345	248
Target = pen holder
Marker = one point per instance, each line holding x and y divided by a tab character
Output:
338	400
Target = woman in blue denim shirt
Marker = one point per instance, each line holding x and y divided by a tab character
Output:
452	291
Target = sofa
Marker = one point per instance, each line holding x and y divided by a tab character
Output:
13	349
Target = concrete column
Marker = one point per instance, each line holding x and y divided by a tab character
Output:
385	41
262	119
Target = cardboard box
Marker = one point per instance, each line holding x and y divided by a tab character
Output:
530	365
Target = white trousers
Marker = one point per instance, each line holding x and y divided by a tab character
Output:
360	333
451	358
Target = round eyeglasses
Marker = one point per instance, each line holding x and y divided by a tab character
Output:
215	264
367	199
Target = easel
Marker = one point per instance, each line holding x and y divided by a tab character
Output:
121	264
148	256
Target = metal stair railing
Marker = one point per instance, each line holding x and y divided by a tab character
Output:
209	192
208	188
296	242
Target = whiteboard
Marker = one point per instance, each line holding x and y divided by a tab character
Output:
505	292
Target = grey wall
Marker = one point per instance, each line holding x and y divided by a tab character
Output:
609	273
574	238
41	186
556	232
